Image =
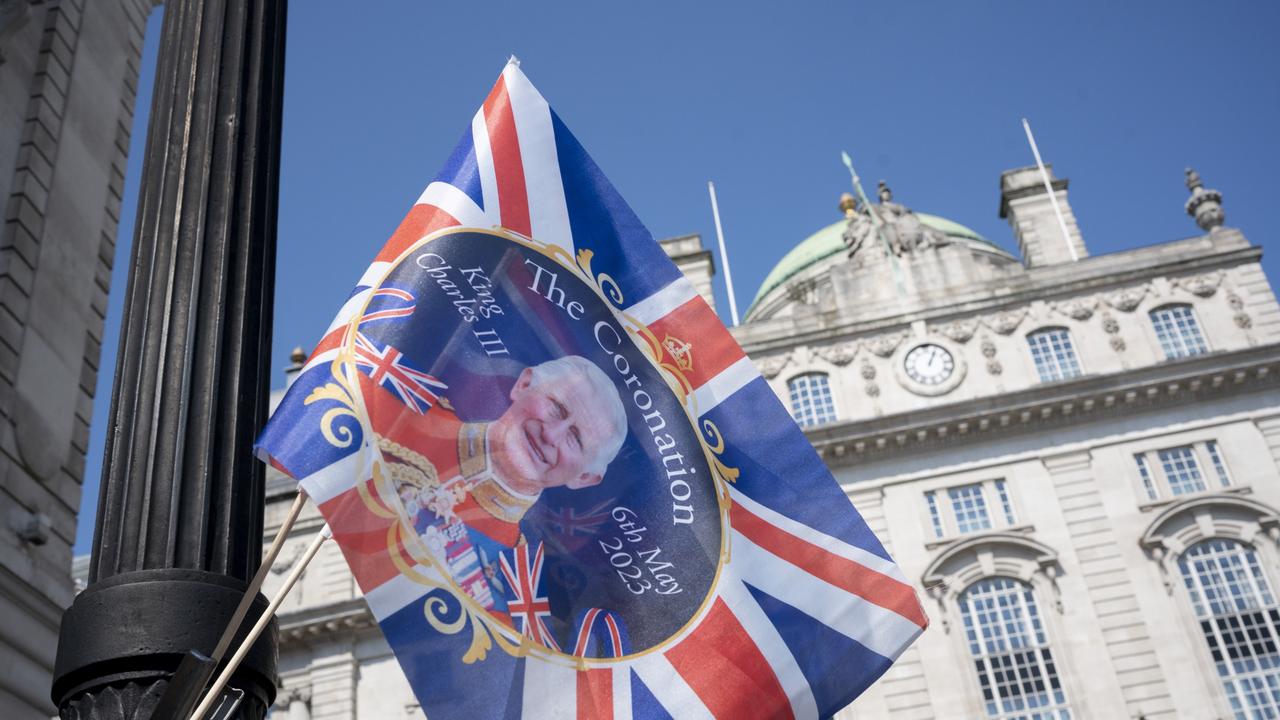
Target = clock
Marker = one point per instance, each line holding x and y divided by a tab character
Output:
929	364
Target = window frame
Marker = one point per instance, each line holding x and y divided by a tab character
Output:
1182	351
1001	508
1188	522
831	397
1195	622
1071	343
1035	624
1211	464
957	565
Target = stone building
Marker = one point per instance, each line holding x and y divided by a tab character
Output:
1073	456
68	76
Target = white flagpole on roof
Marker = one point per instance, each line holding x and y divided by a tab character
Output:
724	254
1048	187
211	696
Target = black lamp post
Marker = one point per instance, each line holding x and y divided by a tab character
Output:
179	526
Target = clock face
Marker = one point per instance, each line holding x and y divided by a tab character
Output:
929	364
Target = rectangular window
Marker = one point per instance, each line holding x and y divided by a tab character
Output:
1178	331
970	508
935	517
1053	354
1145	471
1005	504
1181	470
1219	467
811	402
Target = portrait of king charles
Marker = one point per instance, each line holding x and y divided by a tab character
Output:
465	486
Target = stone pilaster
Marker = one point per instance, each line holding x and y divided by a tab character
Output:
1104	572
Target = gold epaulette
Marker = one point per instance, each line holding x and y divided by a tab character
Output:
412	467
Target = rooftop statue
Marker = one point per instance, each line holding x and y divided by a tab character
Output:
903	233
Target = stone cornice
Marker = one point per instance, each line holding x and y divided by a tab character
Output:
315	623
1051	405
1098	273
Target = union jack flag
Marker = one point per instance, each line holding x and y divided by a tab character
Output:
807	610
528	604
386	366
382	305
570	522
611	630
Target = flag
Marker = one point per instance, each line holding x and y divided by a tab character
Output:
522	362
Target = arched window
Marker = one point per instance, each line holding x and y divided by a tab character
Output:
811	402
1054	355
1238	617
1011	652
1178	331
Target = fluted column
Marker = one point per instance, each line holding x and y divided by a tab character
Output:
179	524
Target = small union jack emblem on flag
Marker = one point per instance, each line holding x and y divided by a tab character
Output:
387	367
527	603
608	627
387	303
570	521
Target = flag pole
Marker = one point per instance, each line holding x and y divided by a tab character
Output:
1048	187
290	580
724	254
876	221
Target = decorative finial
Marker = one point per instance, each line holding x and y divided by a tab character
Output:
1204	205
1193	179
297	357
882	190
848	204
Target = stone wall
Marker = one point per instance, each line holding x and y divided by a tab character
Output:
67	85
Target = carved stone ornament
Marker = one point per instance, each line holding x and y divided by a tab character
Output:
884	345
1242	319
988	348
1078	308
1109	324
1202	285
1204	205
772	365
959	330
841	354
873	390
994	367
1128	299
868	371
1006	322
1118	344
804	292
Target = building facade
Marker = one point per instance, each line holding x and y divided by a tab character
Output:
68	77
1074	457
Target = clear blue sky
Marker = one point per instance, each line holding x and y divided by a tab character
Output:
761	98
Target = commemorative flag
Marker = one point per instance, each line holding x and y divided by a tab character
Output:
562	487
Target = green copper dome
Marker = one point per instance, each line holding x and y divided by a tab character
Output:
829	240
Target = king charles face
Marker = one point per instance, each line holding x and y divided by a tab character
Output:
550	435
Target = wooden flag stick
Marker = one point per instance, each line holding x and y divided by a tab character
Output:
195	670
212	695
256	584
